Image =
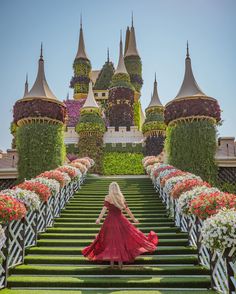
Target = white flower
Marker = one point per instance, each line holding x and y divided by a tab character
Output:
186	197
67	179
29	198
219	231
52	184
170	183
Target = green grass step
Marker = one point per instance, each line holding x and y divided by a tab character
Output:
97	210
141	260
99	270
90	218
68	213
43	236
85	222
129	282
90	205
100	201
103	291
63	229
77	250
152	226
85	242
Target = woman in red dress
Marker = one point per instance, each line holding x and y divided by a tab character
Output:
118	240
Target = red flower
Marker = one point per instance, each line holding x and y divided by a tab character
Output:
55	175
171	175
42	190
206	205
71	173
11	209
185	186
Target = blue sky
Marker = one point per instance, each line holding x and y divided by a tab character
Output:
162	28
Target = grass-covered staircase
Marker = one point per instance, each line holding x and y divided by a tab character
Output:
56	265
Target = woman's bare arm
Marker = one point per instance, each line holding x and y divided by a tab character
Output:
131	215
103	211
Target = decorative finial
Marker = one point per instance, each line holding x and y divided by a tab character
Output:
41	51
120	36
132	20
81	22
108	57
155	78
187	55
26	80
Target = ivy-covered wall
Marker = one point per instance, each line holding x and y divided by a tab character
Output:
191	146
115	163
104	78
40	147
154	145
137	114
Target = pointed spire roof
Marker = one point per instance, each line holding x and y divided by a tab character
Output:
155	100
132	47
189	86
127	39
90	100
108	55
40	88
81	53
26	86
121	64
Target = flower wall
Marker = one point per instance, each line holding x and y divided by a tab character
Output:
194	197
80	80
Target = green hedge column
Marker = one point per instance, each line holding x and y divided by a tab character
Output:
40	147
39	120
91	128
191	133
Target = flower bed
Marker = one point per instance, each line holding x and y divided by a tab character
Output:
206	205
11	209
29	198
186	185
55	175
40	189
219	231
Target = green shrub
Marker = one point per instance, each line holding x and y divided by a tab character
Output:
115	163
72	149
137	114
191	147
40	147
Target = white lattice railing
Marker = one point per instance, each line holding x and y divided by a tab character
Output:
222	265
24	233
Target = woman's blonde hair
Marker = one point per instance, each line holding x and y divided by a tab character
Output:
115	196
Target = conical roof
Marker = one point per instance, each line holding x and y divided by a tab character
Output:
81	53
26	86
132	47
189	86
127	39
155	100
90	100
121	64
40	88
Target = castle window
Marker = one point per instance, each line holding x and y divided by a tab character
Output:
103	94
123	145
113	145
96	94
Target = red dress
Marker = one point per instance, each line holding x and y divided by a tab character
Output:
118	239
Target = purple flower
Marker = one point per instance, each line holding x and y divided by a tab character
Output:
73	110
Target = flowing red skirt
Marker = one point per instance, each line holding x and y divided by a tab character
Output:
119	240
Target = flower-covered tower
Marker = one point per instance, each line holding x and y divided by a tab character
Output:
121	96
154	126
91	128
133	65
82	69
39	118
191	133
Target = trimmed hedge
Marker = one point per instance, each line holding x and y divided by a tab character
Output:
40	147
115	163
138	148
191	147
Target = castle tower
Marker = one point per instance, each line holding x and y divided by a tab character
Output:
192	117
91	128
39	119
154	126
121	96
82	69
134	67
132	60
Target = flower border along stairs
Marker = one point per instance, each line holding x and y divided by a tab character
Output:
55	264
